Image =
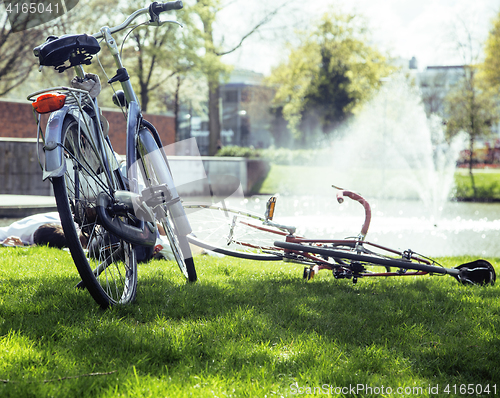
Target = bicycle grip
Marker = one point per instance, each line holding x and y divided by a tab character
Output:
169	5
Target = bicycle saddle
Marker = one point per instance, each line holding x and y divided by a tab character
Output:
78	49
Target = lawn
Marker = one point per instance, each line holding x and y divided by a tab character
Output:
245	329
487	182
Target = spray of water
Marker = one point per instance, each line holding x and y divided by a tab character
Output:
392	150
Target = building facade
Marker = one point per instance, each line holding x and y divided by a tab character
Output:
244	104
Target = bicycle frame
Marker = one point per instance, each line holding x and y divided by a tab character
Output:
357	246
345	257
55	166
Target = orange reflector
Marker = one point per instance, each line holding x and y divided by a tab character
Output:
49	102
271	203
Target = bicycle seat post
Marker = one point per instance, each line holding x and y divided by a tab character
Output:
79	71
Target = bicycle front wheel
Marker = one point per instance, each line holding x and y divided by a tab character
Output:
106	263
233	232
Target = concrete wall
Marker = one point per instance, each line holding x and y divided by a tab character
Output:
20	172
205	175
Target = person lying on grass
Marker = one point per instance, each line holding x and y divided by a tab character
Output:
39	229
45	230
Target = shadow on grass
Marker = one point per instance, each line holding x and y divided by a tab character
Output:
227	325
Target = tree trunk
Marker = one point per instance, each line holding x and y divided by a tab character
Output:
471	160
213	117
144	97
176	107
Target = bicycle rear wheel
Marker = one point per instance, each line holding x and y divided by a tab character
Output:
232	232
170	214
106	264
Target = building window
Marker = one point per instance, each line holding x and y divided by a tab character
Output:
231	96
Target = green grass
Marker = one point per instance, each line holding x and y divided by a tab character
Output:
487	183
245	329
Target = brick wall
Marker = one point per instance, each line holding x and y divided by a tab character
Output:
17	121
117	129
20	172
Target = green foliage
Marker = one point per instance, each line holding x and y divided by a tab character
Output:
328	76
239	151
210	63
157	54
246	329
280	156
491	65
16	47
470	106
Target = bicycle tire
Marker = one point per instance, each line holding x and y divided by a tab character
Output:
154	169
106	264
232	232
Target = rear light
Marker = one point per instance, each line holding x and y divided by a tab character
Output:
49	102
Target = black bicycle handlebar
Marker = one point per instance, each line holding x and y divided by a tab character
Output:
156	8
168	6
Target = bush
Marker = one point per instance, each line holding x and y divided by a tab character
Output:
239	151
280	156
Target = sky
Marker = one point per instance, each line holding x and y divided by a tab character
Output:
425	29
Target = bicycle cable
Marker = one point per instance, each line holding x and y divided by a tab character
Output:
121	56
127	35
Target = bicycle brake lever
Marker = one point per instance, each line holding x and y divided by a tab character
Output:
160	23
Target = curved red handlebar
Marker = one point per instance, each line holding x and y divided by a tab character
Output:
364	203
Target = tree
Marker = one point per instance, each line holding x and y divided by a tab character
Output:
213	66
16	51
153	55
22	28
157	54
470	105
329	76
491	65
471	108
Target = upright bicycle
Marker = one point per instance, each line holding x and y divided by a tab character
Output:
243	234
110	218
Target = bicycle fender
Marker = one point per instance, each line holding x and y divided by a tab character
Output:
54	165
155	155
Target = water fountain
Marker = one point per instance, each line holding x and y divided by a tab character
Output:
392	150
397	158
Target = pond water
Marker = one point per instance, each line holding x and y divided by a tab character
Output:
458	229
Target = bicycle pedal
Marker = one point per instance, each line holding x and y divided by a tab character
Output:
310	273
